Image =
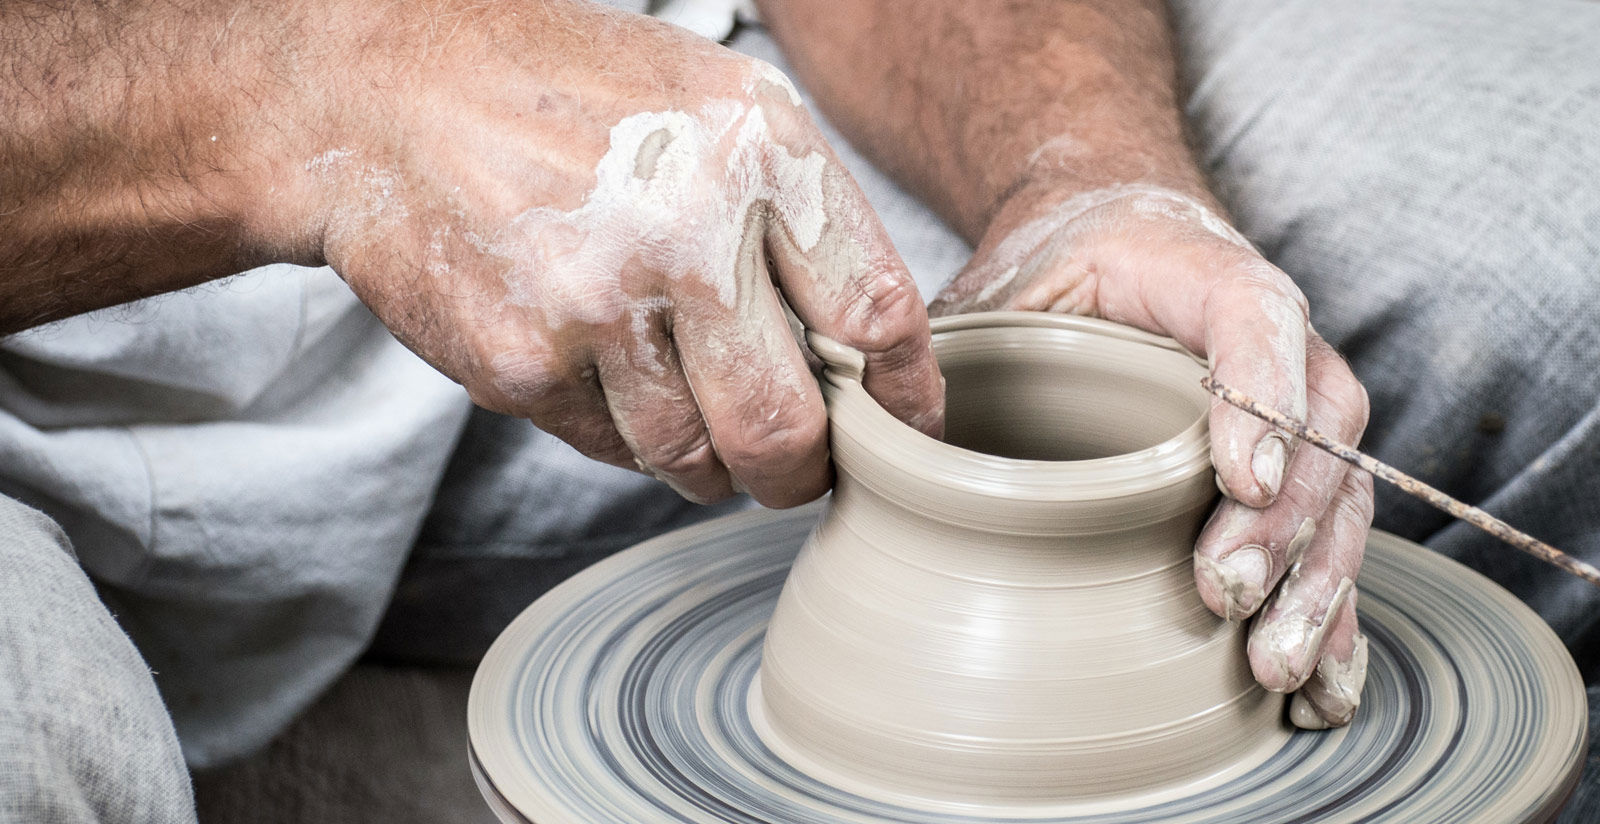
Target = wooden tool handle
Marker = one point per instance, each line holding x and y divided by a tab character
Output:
1466	512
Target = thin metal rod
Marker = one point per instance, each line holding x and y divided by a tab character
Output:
1466	512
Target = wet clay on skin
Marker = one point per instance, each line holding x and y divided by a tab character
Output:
1010	617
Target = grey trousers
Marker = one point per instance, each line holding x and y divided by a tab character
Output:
83	733
1425	170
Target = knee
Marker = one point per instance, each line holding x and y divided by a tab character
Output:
1501	305
1406	159
84	735
24	526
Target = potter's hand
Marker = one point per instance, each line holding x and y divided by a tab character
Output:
585	217
1287	542
588	218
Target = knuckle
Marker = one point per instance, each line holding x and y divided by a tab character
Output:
595	441
1254	277
1353	502
585	426
519	377
1250	273
1345	397
778	440
1361	404
885	314
688	454
762	79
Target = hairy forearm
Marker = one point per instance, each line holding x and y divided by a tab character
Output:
134	148
969	102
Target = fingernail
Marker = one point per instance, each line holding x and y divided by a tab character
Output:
1332	696
1291	639
738	485
1245	580
1305	716
1302	539
1267	464
1221	487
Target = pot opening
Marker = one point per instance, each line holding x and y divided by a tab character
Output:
1031	406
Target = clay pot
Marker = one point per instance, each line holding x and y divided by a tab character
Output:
1008	618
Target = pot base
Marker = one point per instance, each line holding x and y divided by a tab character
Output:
1210	776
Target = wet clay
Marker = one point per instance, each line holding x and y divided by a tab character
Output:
1004	629
1010	617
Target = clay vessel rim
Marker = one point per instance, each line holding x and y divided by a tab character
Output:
902	450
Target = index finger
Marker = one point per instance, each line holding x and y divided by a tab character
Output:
1256	339
1250	320
847	282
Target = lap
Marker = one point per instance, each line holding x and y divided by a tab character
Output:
84	736
1422	170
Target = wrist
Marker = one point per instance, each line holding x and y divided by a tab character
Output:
185	149
1069	171
136	155
262	90
295	90
1085	234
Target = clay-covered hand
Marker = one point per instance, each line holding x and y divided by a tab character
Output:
588	218
1286	543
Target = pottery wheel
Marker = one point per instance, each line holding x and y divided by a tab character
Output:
621	696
